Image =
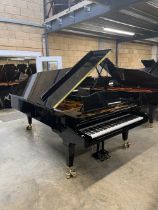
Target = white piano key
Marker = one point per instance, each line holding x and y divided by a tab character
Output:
116	127
109	121
114	103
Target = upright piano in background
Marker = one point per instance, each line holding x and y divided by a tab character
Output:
141	84
77	114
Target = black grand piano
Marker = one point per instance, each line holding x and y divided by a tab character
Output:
77	115
141	84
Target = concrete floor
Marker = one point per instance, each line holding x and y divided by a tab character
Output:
32	171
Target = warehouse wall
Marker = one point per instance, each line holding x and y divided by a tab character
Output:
70	47
108	44
18	37
131	54
73	47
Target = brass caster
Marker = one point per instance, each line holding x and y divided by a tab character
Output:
70	173
151	125
29	128
73	173
126	145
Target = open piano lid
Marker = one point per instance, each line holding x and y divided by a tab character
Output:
148	63
131	77
43	91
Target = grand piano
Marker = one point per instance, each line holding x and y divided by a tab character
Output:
141	84
77	114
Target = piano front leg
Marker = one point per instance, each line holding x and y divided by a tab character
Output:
29	118
125	139
70	154
151	115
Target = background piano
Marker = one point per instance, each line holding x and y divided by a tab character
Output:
13	80
141	84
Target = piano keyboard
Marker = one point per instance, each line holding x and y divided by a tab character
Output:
105	127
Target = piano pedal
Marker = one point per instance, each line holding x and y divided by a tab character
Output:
70	173
29	128
101	155
126	145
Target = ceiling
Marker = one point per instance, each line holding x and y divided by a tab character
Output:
140	18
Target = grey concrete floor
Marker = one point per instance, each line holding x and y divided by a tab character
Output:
32	171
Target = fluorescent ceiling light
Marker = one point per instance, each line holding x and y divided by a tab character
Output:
29	58
152	4
21	59
17	59
119	31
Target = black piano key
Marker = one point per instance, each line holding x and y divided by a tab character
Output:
105	125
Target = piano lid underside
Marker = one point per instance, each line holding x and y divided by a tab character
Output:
75	77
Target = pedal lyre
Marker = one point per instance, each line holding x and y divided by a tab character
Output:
101	154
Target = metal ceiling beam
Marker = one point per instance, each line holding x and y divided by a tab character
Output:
141	37
147	36
87	11
69	11
20	22
131	22
121	4
84	33
96	33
